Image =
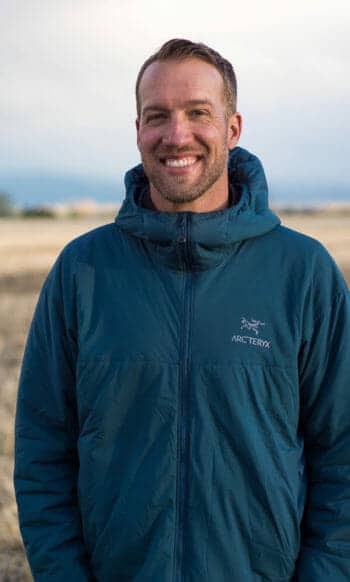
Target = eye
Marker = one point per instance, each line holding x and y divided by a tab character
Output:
195	113
154	118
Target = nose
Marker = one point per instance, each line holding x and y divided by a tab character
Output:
177	132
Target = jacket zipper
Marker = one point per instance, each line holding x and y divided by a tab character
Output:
183	429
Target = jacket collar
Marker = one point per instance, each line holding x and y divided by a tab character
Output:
197	241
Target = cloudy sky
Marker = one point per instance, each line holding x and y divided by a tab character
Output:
67	73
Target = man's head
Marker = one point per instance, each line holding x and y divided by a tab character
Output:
187	122
179	49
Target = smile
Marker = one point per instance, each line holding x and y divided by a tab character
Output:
180	162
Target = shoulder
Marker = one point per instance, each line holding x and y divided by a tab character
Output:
97	237
321	278
306	250
94	246
298	242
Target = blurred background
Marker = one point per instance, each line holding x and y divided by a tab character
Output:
67	118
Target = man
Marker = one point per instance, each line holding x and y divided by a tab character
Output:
183	411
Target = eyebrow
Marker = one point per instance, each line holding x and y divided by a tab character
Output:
190	103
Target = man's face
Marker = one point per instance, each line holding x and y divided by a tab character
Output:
184	132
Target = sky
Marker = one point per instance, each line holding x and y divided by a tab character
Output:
68	69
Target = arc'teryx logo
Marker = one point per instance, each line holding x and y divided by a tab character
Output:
252	325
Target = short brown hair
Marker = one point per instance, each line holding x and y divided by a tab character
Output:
179	49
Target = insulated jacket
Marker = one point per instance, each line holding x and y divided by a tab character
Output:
184	404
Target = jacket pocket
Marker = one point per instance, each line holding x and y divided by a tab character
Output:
271	564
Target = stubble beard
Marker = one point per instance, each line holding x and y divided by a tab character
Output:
175	189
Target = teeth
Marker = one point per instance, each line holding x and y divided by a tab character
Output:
179	163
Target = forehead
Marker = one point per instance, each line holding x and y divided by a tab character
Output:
173	82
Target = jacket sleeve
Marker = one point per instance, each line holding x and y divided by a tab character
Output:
325	423
46	463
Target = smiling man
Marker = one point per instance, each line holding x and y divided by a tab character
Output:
183	409
185	130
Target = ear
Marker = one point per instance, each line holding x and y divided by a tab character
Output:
234	130
137	124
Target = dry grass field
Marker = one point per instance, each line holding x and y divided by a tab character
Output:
27	250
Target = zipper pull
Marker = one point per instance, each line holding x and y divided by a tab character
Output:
182	239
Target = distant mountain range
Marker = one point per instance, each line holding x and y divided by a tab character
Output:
299	194
35	189
30	189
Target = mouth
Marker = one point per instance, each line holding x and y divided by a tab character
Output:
180	162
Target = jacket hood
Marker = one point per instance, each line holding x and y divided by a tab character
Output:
209	235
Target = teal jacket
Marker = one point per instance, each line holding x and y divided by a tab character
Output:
184	404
